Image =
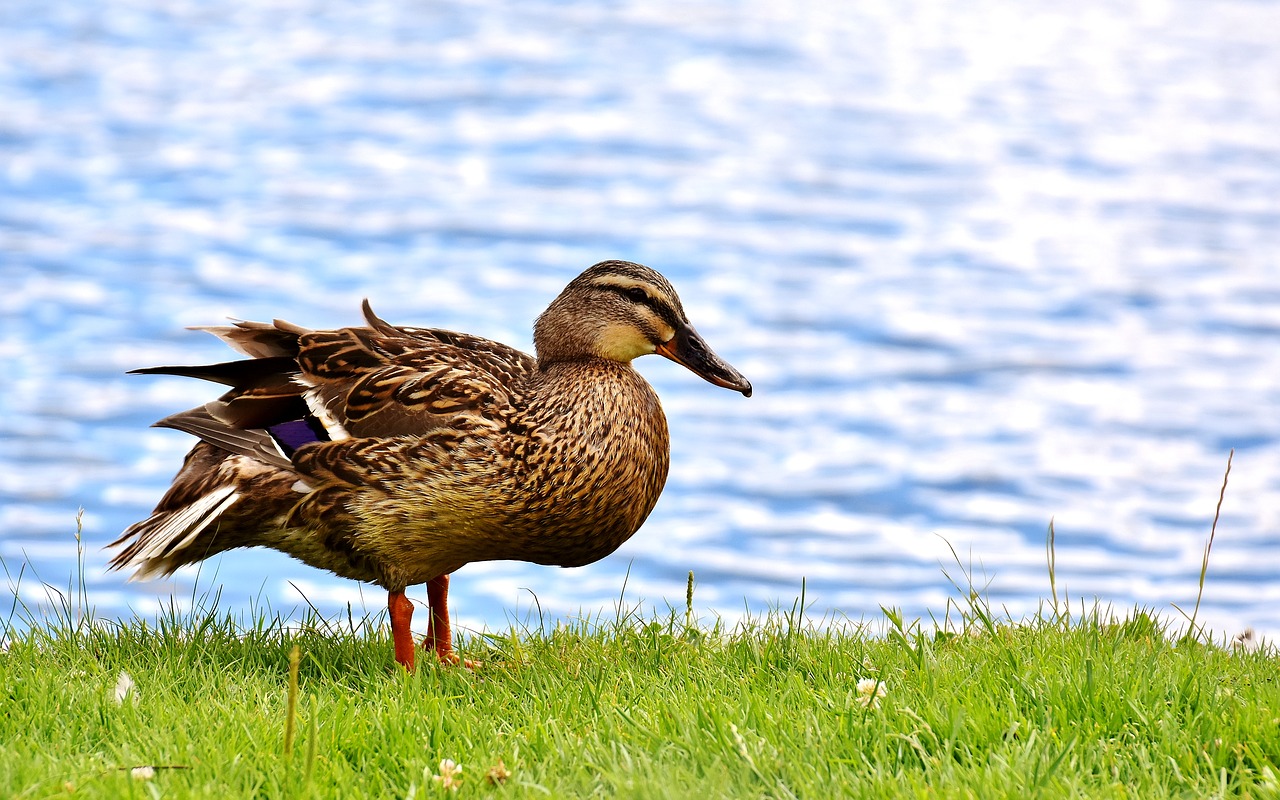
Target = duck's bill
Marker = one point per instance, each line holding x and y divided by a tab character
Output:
689	350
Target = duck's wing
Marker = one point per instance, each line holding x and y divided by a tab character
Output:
380	381
385	380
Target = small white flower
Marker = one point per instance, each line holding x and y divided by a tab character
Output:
742	747
125	687
143	773
1268	779
450	776
739	741
870	691
1246	641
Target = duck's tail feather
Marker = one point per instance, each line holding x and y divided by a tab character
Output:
264	391
238	480
219	500
257	444
259	339
162	542
250	373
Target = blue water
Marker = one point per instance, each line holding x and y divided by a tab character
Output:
986	263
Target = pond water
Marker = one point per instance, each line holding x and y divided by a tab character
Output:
987	265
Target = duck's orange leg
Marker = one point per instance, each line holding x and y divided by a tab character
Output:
439	638
401	611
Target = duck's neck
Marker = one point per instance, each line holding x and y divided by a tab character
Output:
597	391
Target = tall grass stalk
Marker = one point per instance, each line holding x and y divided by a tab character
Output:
313	724
1193	630
1051	557
291	708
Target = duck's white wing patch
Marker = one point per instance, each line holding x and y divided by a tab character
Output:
332	426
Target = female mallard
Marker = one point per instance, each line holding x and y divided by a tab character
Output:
396	455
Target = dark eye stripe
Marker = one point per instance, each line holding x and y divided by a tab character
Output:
664	311
633	293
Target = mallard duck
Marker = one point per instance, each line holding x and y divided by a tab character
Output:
396	455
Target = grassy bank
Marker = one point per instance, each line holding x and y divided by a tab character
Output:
1057	706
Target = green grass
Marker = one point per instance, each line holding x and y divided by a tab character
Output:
974	705
642	706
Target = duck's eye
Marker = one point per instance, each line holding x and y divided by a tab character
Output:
637	294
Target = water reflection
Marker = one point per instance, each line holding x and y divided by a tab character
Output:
985	265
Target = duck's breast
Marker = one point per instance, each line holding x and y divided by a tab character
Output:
595	459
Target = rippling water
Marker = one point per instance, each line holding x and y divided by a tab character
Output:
986	264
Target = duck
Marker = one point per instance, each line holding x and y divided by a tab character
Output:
396	455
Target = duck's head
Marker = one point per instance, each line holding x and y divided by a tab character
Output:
619	310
